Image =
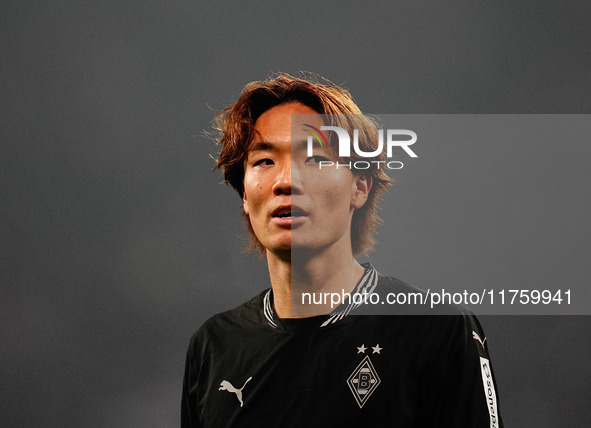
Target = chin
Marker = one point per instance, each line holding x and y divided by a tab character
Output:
279	247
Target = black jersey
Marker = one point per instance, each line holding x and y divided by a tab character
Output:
248	368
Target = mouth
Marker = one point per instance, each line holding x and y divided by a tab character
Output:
289	215
289	212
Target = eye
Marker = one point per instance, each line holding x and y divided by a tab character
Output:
263	162
317	159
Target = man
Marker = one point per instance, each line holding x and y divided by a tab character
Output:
277	361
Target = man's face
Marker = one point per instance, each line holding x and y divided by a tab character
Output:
291	202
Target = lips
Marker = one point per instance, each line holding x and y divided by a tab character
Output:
289	216
289	211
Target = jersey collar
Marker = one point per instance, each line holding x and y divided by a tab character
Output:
367	284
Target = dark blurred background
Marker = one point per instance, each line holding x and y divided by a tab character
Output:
117	240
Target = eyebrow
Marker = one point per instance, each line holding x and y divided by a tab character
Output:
268	145
260	146
299	145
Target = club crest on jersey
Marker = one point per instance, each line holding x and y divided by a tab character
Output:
364	380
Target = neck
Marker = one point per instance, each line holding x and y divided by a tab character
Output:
318	272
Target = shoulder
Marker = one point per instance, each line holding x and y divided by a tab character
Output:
229	323
444	324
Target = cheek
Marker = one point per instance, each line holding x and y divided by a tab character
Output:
335	201
255	178
341	194
253	189
338	185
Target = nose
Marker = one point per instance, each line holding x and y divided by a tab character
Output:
288	180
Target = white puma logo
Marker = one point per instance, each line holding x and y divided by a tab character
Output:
227	386
476	337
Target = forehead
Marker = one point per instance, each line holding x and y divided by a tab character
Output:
276	124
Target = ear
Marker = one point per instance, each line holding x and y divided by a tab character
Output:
245	203
361	188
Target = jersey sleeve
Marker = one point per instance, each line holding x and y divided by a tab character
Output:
466	395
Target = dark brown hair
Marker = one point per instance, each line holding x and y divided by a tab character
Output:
235	125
